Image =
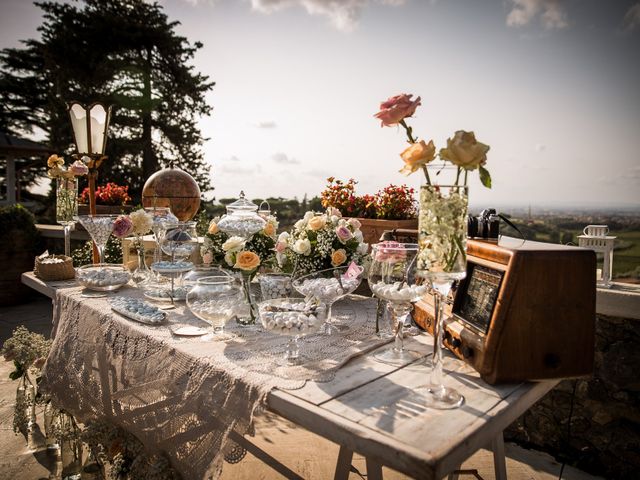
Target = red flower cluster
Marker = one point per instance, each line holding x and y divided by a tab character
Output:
391	203
110	194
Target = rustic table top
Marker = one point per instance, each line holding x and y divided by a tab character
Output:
374	409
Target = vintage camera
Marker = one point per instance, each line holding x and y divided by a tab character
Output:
486	226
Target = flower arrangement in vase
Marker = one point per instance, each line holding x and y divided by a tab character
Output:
138	224
320	241
243	256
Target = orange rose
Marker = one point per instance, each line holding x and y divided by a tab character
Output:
338	257
246	260
317	223
417	155
269	229
213	228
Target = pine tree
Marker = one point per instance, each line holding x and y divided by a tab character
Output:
121	52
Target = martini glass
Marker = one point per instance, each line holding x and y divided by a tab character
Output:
99	227
392	278
161	217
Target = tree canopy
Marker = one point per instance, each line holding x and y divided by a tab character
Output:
121	52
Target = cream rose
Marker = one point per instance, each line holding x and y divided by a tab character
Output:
142	221
302	247
213	228
338	257
465	151
233	244
246	260
55	161
417	155
317	223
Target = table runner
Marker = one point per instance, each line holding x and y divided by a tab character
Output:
182	396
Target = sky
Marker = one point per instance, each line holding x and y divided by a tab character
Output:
552	86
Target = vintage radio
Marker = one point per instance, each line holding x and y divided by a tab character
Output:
525	311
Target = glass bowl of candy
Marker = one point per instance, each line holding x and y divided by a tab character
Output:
329	286
275	285
293	317
102	277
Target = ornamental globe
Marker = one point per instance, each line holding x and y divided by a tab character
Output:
175	189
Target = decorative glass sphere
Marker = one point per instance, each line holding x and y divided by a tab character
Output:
172	188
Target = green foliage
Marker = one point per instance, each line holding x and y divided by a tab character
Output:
112	252
121	52
16	218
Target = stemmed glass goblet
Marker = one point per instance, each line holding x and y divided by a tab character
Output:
214	300
161	217
99	227
392	277
327	287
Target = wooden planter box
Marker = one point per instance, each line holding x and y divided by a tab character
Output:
373	228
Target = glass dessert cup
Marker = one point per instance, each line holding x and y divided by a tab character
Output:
441	261
392	278
327	287
293	317
161	217
99	227
214	300
99	278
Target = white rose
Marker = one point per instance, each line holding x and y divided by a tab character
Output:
283	237
228	257
358	236
234	244
308	216
363	248
300	224
302	247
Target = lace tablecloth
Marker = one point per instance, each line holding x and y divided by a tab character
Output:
179	395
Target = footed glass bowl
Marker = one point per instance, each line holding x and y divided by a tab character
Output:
102	277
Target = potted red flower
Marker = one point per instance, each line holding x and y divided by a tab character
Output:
110	198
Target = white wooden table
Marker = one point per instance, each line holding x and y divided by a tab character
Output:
373	409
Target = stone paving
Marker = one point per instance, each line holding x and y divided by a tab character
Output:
308	455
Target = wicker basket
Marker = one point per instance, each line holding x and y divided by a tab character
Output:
54	271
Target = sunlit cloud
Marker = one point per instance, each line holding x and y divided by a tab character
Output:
342	14
283	159
266	124
236	170
551	12
631	19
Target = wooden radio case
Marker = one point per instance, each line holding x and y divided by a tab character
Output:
525	311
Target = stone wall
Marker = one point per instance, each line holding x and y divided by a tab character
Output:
605	425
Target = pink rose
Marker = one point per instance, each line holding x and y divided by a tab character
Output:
396	109
123	226
343	234
78	168
354	223
280	247
390	251
207	258
334	212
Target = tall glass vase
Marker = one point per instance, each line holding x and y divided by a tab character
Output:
142	274
66	207
248	311
442	259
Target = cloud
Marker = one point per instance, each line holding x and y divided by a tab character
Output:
283	159
540	147
342	14
232	158
319	173
266	124
552	13
236	170
631	19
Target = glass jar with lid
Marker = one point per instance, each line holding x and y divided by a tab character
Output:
242	219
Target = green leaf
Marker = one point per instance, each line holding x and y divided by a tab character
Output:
485	177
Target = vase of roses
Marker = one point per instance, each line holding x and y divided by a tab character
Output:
442	217
320	241
66	193
242	256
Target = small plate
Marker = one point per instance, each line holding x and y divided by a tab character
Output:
189	331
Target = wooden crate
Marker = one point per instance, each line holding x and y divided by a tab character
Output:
130	256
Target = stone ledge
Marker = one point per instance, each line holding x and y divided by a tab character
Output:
621	300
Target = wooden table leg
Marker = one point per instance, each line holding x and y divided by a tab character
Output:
497	445
454	474
374	470
343	466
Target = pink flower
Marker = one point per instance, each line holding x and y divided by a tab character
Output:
207	258
78	168
354	223
343	234
123	226
390	251
280	247
397	108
